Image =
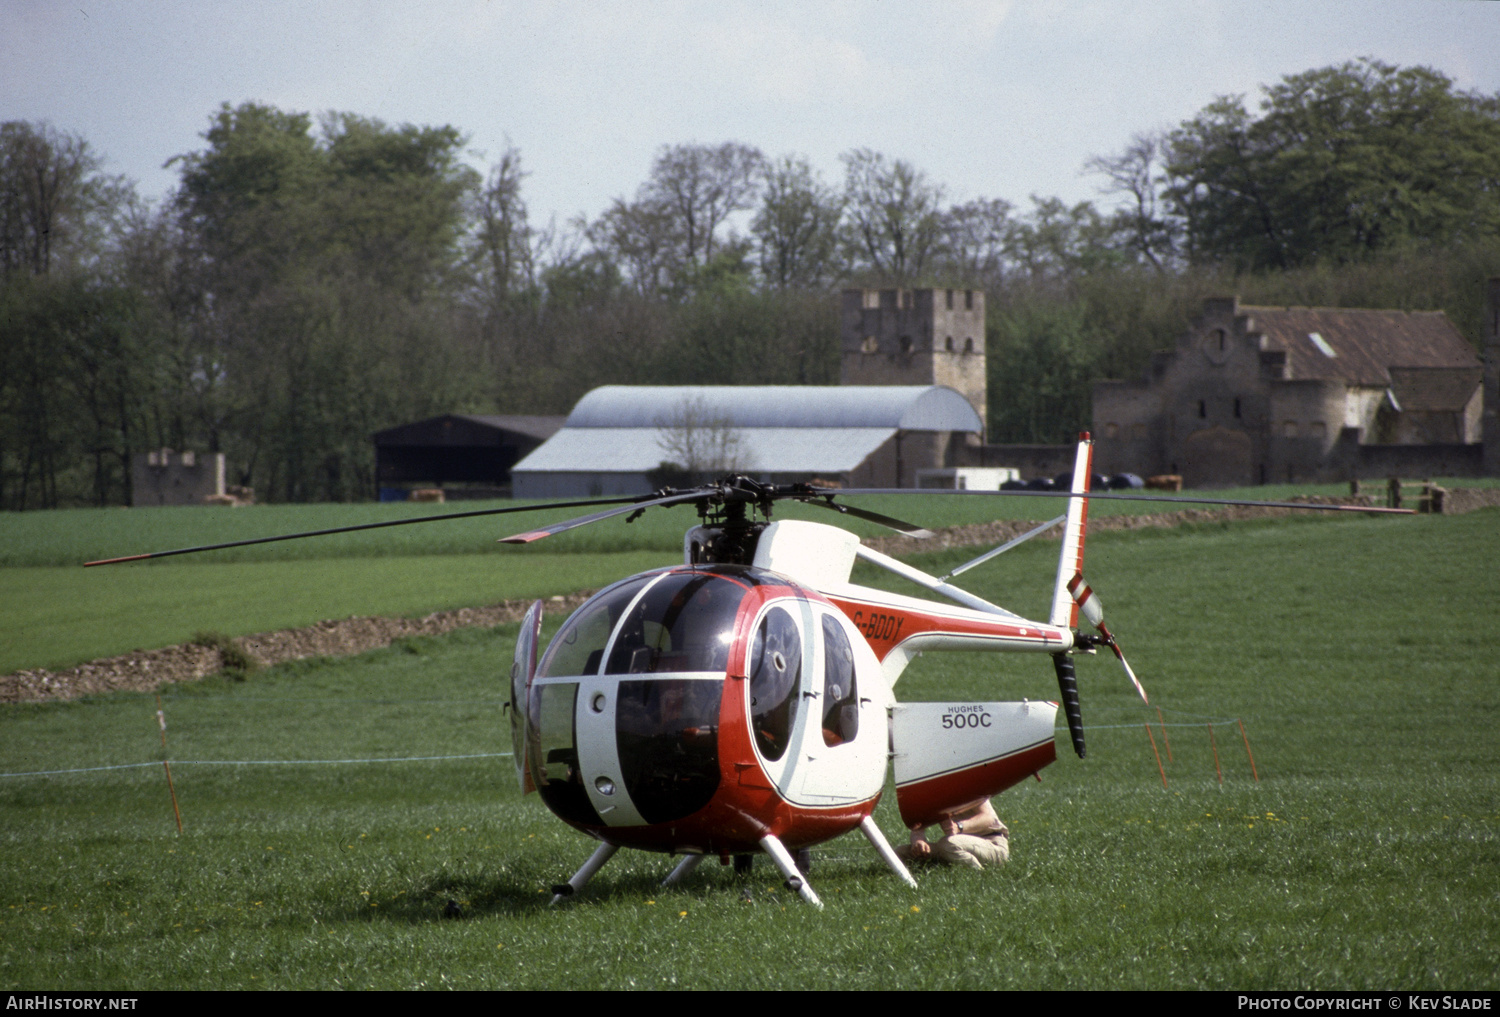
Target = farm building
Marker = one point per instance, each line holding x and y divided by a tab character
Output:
165	477
1254	395
618	437
458	448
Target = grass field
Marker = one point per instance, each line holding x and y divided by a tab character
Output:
1368	855
58	617
69	537
58	614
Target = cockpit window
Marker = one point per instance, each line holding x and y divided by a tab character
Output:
578	648
667	733
553	753
775	672
840	697
683	623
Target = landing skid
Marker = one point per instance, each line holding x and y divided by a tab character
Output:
786	864
687	865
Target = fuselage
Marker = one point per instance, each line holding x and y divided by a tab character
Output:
699	708
702	707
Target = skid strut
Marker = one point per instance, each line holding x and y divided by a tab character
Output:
682	868
794	879
883	848
602	854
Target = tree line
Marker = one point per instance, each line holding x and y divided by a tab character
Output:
312	280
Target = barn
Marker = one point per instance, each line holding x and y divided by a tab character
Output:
472	451
630	439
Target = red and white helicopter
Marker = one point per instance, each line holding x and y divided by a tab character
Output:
743	701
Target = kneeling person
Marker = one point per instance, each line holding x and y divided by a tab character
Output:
973	837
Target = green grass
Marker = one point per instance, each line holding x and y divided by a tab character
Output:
58	617
1357	652
69	537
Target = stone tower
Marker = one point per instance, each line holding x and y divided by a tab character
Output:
914	337
1490	348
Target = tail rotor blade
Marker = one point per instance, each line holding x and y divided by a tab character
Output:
1120	656
1089	606
1067	685
1087	600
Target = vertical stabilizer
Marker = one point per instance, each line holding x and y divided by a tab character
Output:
1070	561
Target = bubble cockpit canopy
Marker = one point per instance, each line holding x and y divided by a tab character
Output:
645	658
684	622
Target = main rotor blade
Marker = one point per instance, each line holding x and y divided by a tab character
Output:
908	529
570	524
365	526
1117	496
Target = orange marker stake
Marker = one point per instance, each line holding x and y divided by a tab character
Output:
161	721
1159	768
1164	739
1214	743
1241	723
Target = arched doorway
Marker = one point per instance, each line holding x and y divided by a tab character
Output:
1217	457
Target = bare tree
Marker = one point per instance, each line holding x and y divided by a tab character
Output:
975	237
701	443
503	240
1056	241
797	225
640	237
54	202
1139	174
701	186
669	234
894	224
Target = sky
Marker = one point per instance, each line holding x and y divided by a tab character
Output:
991	98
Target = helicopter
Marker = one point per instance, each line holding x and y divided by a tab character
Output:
742	701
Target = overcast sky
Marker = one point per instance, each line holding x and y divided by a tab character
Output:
991	99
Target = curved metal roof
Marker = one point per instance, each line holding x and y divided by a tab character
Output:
905	407
756	450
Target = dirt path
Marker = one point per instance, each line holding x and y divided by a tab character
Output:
146	670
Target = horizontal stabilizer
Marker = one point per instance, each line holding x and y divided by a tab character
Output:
950	754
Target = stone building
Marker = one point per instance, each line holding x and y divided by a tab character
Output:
914	337
165	477
934	337
1254	395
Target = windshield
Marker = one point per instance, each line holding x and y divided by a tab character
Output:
578	647
683	623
